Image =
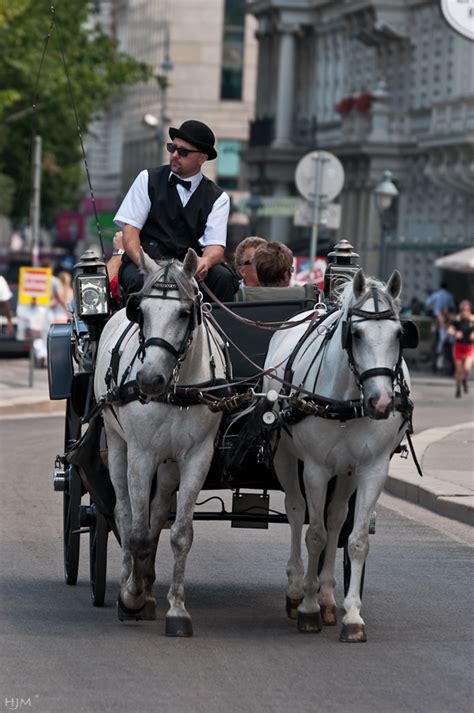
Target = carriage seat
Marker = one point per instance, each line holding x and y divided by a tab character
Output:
262	304
309	292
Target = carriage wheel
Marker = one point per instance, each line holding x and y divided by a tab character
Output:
71	500
71	534
347	572
98	537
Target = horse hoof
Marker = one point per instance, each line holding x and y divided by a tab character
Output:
292	607
353	633
328	614
126	614
178	626
309	623
149	610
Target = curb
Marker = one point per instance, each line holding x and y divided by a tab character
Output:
442	497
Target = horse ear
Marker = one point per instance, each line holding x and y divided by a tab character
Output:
190	263
146	263
394	285
358	284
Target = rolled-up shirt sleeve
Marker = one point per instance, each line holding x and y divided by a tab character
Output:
136	205
215	232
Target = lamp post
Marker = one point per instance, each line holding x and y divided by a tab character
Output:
385	193
254	203
159	122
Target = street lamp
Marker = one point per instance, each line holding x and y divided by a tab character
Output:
254	203
385	193
151	120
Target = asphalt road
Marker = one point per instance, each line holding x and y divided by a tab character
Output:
60	654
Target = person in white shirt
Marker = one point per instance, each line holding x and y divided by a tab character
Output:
172	208
5	296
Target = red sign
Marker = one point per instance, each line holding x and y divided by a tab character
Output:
302	274
69	227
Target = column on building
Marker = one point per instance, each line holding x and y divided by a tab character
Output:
285	85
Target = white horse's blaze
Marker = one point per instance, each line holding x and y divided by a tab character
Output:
358	454
158	440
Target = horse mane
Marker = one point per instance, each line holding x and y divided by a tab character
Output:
347	298
175	274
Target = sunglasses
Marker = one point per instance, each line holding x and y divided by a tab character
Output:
171	148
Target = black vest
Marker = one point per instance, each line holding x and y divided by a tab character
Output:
172	228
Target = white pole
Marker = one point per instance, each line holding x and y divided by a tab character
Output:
36	202
318	165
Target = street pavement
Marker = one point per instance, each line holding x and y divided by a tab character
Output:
446	453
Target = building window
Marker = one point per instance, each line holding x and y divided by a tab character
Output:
233	50
228	163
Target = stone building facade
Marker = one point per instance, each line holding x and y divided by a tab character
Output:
204	57
383	85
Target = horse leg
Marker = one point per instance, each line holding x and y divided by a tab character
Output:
286	468
132	598
315	480
117	460
193	470
167	482
369	486
336	515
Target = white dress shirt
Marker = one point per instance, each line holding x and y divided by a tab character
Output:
136	205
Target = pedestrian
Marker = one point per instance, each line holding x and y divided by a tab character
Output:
5	304
273	264
175	207
244	263
462	328
439	300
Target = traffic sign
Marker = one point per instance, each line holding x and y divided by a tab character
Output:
35	284
319	174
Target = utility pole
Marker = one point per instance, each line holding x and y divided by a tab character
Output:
36	202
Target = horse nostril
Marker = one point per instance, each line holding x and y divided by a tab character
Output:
157	383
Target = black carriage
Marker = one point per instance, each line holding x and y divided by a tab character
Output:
243	455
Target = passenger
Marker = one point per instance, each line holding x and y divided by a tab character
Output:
273	264
244	254
157	213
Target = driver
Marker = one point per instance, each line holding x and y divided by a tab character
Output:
175	207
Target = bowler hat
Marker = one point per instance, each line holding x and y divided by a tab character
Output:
197	134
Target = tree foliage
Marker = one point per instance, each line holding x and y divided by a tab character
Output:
35	42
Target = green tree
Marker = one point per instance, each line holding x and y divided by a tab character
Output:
98	72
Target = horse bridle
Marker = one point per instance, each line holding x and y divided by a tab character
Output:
134	314
346	335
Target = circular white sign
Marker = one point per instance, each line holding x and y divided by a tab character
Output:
319	172
460	15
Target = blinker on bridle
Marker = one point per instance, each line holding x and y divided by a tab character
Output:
134	314
346	334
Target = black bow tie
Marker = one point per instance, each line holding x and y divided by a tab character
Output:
174	180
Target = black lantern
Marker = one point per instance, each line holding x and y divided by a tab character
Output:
91	287
340	270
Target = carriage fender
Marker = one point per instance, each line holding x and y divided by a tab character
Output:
60	368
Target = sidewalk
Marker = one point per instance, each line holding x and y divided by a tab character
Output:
446	454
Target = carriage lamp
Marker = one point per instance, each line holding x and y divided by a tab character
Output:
340	270
91	287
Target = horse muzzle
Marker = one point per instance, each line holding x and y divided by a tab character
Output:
153	384
379	406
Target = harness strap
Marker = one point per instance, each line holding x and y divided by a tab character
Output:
377	371
159	342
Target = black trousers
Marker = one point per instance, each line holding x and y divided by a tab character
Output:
220	279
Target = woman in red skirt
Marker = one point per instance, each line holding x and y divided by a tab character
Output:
462	328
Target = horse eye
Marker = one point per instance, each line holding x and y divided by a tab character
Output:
398	334
184	314
356	335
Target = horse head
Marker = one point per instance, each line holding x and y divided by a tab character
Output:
167	309
372	335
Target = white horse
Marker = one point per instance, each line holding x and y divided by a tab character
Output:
356	353
155	446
